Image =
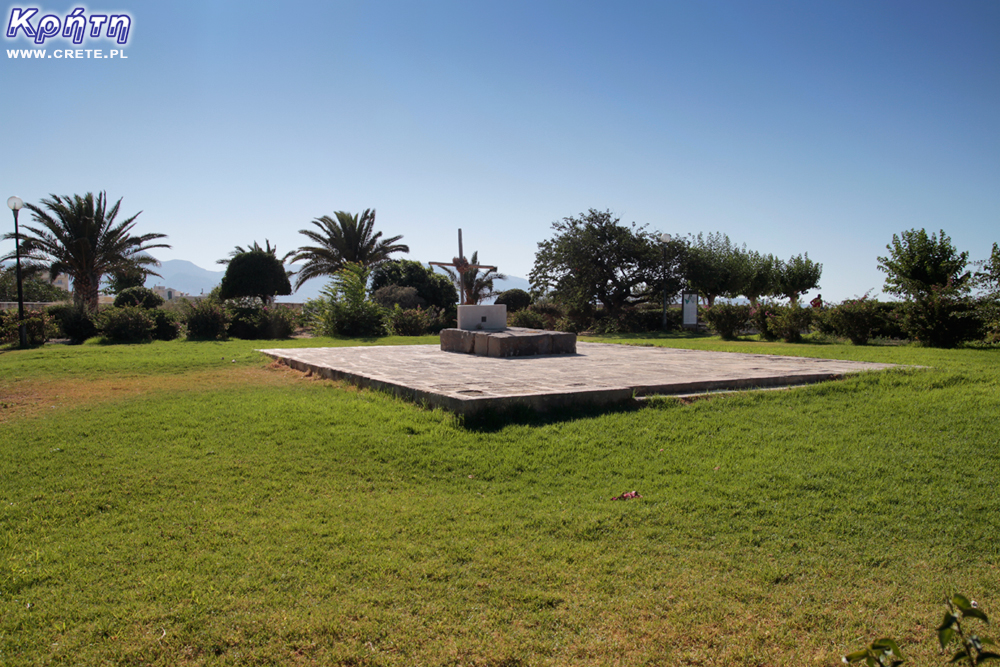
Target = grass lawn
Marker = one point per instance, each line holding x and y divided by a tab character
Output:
191	503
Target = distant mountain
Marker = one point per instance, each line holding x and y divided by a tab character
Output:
185	276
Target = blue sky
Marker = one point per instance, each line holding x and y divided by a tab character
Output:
819	127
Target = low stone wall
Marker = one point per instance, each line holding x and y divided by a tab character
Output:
512	342
28	305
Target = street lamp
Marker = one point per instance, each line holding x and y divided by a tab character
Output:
664	239
16	205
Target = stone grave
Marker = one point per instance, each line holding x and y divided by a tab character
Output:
483	330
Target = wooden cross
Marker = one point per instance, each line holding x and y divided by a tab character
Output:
461	266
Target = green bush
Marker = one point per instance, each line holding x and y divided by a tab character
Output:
728	319
166	325
761	319
138	296
634	319
855	319
344	309
126	324
890	320
528	318
940	318
417	321
244	319
790	322
366	320
515	299
38	326
206	319
73	322
278	322
396	295
408	322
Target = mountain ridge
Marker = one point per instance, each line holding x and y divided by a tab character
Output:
185	276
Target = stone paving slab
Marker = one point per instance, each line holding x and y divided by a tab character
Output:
599	373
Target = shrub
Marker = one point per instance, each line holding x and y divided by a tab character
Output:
789	322
416	321
549	308
515	299
344	308
761	318
251	320
890	320
244	318
126	324
206	319
527	318
939	318
38	326
138	296
855	319
408	322
395	295
73	321
629	320
434	288
166	325
727	319
568	324
278	322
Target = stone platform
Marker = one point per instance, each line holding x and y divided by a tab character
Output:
598	373
510	342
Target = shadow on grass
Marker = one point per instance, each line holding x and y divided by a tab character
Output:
109	342
491	420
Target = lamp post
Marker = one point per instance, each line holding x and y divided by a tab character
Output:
664	239
16	205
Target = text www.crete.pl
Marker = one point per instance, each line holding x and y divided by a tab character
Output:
66	53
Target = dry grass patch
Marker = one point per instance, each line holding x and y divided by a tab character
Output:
27	398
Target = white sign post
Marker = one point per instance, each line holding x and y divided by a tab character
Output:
690	310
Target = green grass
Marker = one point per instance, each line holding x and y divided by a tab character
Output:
174	507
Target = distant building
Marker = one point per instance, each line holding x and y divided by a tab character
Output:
171	294
62	282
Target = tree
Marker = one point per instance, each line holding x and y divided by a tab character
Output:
716	267
475	284
760	276
989	278
434	288
341	240
917	263
988	305
78	236
515	299
669	271
796	276
594	257
33	288
127	278
256	274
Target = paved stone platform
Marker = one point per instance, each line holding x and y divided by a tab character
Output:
599	373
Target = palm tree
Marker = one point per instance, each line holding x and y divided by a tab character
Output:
78	236
268	248
346	239
475	284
